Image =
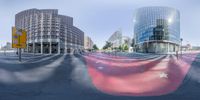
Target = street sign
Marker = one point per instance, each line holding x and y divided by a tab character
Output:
18	38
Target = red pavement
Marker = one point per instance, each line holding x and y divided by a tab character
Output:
134	77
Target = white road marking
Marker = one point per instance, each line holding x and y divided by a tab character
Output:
100	67
163	75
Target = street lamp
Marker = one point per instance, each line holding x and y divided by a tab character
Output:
146	42
181	45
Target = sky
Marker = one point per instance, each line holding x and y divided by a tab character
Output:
100	18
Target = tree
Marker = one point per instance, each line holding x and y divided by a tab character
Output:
133	42
107	45
120	48
95	47
125	47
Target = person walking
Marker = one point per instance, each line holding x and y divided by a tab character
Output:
177	54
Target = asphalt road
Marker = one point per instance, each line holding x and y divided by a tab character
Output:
128	81
65	77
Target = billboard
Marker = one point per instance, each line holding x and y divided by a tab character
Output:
18	38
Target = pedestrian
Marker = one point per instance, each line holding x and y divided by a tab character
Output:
177	54
5	52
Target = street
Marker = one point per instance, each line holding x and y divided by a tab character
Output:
100	76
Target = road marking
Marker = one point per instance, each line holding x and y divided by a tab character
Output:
100	67
163	75
97	62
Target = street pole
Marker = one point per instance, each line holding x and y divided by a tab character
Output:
19	55
181	46
5	51
147	46
19	51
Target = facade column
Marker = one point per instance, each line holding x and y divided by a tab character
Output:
34	47
168	47
59	46
41	38
65	47
34	43
65	50
156	47
50	42
41	47
50	47
27	47
27	43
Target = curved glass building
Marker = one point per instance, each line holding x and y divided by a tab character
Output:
157	30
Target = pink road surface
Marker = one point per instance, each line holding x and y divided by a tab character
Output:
136	77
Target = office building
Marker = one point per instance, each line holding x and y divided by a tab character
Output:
157	30
116	39
126	40
49	32
88	43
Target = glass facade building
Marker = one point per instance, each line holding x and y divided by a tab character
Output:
157	30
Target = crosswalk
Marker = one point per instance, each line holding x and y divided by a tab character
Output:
102	56
26	58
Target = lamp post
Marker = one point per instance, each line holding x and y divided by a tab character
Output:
112	48
5	50
181	45
146	46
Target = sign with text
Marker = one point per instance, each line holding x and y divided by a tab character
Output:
18	38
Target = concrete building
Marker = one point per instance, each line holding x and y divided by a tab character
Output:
157	30
186	47
126	40
8	46
195	48
88	43
49	32
116	39
119	41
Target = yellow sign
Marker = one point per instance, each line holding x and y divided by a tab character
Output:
18	38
